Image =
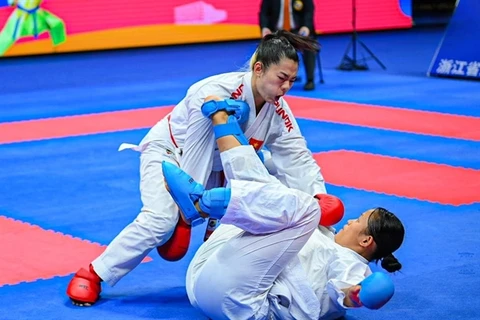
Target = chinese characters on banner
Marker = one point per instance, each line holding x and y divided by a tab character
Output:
458	68
459	53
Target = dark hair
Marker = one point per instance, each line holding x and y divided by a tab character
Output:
282	44
388	233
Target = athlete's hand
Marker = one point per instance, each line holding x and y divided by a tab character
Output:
351	297
304	31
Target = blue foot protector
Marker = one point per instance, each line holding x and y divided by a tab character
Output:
185	192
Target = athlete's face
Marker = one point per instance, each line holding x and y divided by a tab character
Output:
353	235
275	81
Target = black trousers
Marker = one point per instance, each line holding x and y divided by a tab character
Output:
309	62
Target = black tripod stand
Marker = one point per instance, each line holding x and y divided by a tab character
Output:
351	63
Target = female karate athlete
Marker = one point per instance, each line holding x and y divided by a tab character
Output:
269	259
185	137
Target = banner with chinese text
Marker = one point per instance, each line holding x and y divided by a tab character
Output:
458	54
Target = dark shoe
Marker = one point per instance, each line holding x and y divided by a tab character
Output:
309	86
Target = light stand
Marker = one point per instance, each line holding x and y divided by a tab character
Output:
351	63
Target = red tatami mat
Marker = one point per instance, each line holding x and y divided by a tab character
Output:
30	253
405	120
401	177
399	119
70	126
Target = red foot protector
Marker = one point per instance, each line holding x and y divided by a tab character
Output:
401	177
85	286
30	253
177	246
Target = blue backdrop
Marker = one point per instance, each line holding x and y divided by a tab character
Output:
458	54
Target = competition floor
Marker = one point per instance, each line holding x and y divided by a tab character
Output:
393	138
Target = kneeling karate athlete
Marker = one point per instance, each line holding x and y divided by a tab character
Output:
269	258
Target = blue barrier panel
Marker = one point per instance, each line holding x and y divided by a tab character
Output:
458	54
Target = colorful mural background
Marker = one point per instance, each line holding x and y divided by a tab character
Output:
48	26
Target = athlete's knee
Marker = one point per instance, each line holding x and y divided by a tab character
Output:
311	216
314	220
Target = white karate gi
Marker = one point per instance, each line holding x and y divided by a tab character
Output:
186	137
269	259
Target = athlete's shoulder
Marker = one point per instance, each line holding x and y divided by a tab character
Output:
229	77
224	82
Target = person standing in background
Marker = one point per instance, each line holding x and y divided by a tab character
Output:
295	16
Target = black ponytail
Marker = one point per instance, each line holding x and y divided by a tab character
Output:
388	233
282	44
390	263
